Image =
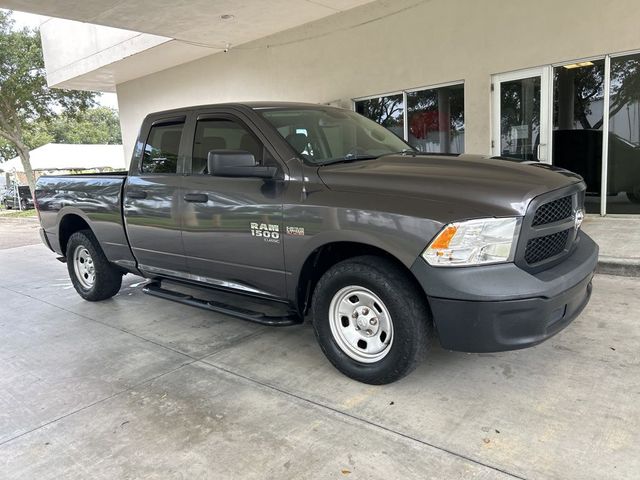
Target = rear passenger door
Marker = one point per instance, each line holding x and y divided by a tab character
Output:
153	199
233	226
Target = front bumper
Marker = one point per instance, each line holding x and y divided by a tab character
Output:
501	307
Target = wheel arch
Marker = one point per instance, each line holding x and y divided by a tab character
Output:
328	254
69	224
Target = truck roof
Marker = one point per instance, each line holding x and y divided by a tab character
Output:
255	105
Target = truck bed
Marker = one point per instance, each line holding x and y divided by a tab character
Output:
93	198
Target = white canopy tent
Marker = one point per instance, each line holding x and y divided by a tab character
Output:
58	157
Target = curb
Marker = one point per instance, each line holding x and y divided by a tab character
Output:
623	267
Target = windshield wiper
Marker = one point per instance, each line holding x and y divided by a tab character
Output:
350	158
406	151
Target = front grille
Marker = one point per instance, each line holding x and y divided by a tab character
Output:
541	248
554	211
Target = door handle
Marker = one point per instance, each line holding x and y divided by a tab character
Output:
539	151
196	197
137	194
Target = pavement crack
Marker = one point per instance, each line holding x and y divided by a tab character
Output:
228	344
191	360
98	402
361	420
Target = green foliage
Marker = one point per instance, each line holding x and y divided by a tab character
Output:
25	98
387	111
95	125
98	125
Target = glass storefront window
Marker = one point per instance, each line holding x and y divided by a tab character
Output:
436	119
388	111
578	93
623	170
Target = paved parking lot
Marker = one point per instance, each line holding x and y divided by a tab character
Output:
17	232
139	387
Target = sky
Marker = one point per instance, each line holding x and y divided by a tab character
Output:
30	20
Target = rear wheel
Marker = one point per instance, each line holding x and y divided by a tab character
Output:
371	320
92	275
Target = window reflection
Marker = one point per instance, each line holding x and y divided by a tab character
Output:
520	118
387	111
624	136
436	119
577	124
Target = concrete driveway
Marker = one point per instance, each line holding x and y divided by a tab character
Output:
139	387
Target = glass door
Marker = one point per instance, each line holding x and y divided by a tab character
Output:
578	124
520	111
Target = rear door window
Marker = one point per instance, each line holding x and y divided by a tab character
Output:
161	150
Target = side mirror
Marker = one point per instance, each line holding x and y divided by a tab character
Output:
236	163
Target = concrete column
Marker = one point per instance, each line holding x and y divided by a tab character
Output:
444	120
565	98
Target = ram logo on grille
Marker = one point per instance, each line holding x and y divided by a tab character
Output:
578	217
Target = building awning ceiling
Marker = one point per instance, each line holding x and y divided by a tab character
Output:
173	33
199	21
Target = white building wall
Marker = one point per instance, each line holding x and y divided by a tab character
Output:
371	50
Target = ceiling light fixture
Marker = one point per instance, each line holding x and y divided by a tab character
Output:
578	65
227	16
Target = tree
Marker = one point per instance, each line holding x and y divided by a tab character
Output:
98	125
25	99
95	125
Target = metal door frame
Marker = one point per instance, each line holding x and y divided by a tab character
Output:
546	112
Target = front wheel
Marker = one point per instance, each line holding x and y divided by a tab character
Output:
92	275
371	320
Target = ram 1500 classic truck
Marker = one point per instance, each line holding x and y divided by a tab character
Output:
272	211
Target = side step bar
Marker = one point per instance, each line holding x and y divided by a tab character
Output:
155	289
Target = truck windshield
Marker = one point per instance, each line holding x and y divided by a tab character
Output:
330	135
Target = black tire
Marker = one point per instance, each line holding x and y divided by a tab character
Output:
108	278
405	302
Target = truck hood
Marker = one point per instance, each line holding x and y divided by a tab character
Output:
476	185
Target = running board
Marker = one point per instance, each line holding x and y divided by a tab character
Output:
156	290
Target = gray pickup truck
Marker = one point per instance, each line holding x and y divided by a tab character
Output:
272	211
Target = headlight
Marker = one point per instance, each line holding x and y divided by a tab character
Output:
474	242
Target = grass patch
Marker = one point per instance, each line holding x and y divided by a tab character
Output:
18	213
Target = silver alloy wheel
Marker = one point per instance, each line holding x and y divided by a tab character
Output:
83	267
361	324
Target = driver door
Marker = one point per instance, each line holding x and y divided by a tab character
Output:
232	230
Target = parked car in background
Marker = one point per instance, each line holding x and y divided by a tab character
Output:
10	200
